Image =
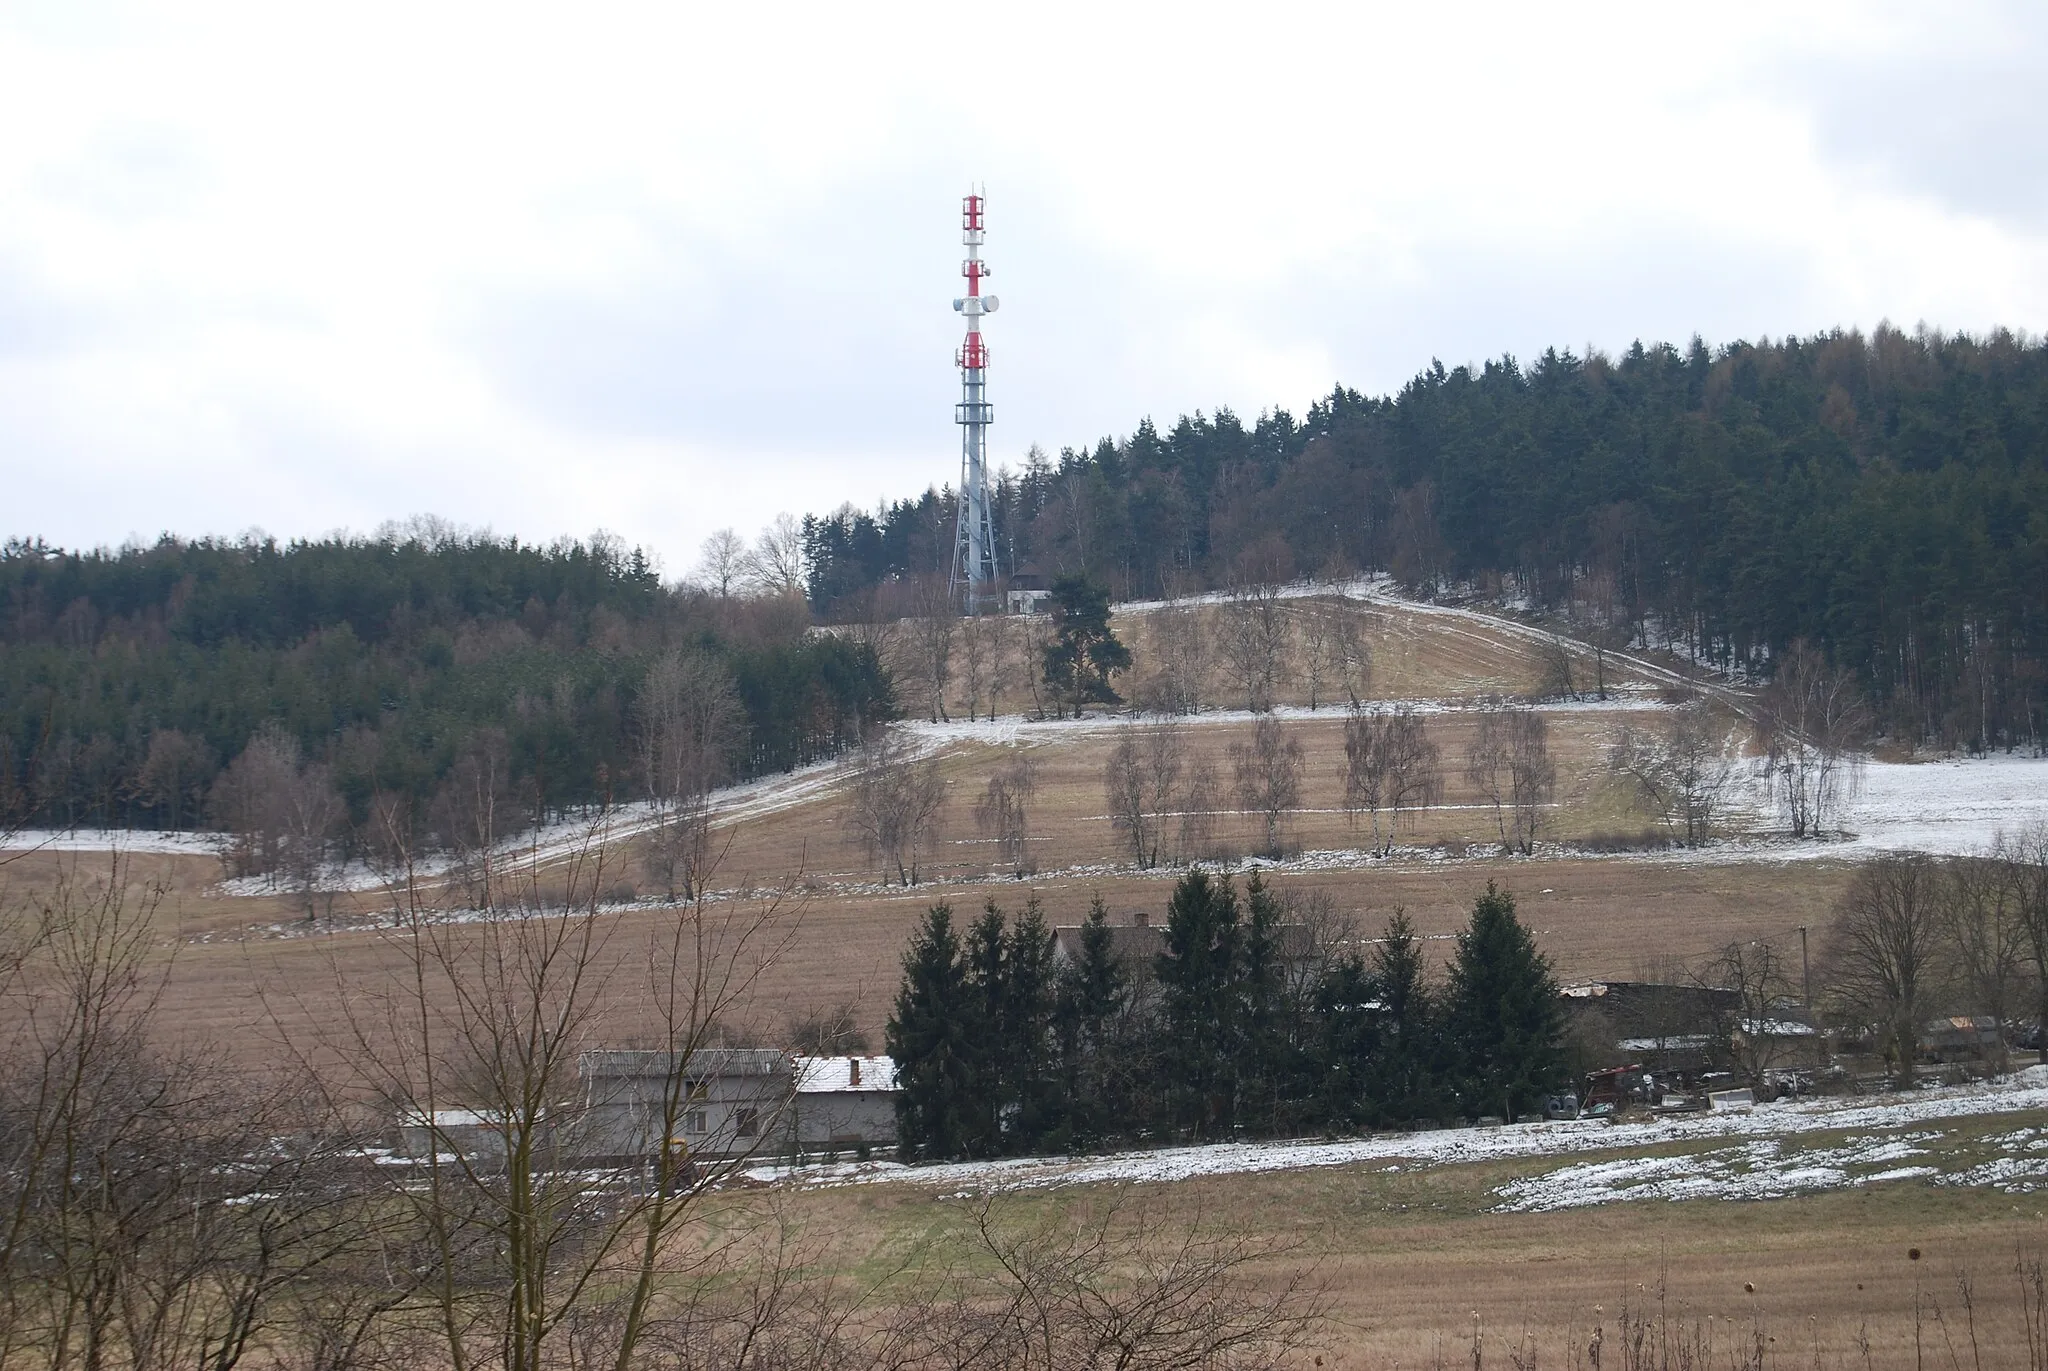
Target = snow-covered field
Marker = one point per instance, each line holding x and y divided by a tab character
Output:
1769	1159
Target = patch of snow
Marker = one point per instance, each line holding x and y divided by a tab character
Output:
1439	1147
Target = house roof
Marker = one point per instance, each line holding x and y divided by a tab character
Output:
705	1062
830	1075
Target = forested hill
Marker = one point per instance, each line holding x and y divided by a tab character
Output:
1884	496
130	680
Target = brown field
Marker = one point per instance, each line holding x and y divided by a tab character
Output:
238	964
1408	1257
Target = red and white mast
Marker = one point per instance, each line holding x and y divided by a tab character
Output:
974	555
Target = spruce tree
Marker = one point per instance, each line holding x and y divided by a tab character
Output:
1030	1105
1505	1021
1262	1051
1347	1042
1402	1084
1093	991
931	1037
1198	975
988	1010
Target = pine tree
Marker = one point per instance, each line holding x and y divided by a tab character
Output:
931	1037
1084	652
1505	1020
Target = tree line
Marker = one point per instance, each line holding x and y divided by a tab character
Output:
423	686
1245	1014
1254	1014
1882	497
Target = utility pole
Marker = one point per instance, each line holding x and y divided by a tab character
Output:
974	543
1806	994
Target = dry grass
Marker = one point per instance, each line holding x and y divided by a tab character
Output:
1410	1258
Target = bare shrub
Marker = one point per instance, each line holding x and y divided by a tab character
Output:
1681	770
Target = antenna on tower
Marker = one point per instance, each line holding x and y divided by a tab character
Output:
974	542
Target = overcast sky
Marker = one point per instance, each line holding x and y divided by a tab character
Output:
660	269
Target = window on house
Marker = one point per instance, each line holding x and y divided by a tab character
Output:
696	1090
747	1122
693	1122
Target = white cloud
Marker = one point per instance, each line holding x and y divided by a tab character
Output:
665	268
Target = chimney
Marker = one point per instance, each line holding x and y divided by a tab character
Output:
853	1072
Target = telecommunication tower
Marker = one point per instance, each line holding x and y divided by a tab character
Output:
974	552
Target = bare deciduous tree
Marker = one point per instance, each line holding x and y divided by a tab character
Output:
161	1211
1180	680
276	814
1681	770
1319	650
934	627
1560	669
1142	784
1884	953
174	774
1002	817
2027	854
1352	650
1254	641
896	800
722	563
1268	773
1391	765
775	564
1984	909
1760	978
1812	718
1509	761
476	808
981	645
554	1245
686	721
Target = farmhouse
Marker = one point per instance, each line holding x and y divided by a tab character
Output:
731	1099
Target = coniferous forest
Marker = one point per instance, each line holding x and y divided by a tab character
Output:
1883	497
402	673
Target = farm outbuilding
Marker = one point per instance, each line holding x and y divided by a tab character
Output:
843	1104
